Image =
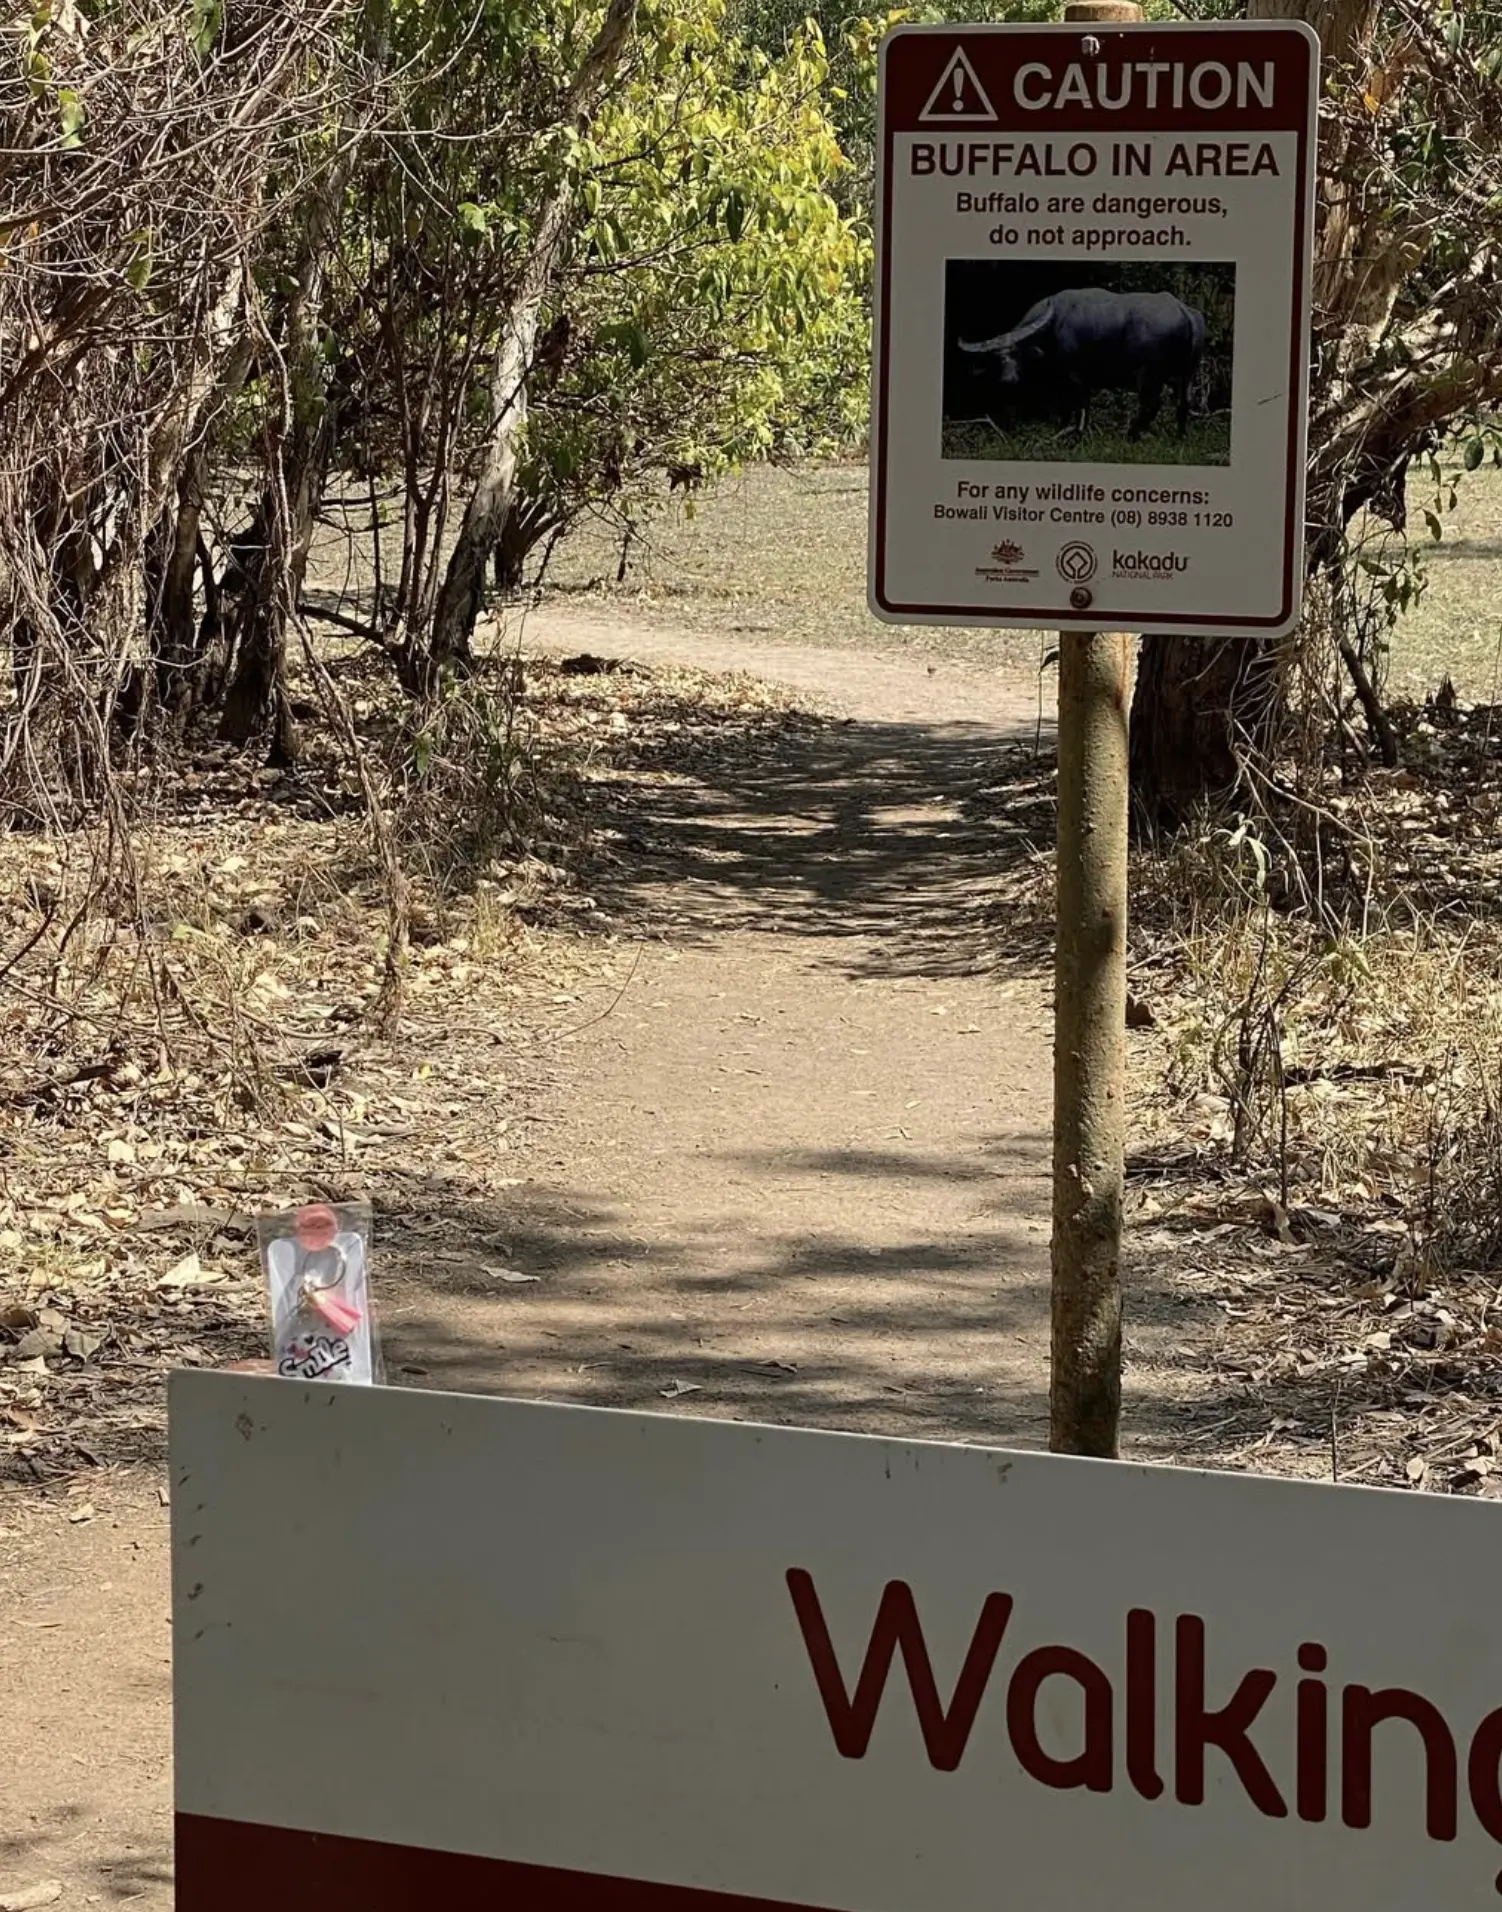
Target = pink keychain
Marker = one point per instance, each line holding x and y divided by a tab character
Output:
317	1281
316	1230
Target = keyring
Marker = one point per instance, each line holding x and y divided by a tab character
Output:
311	1284
316	1231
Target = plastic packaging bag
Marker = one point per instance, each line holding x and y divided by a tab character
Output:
317	1278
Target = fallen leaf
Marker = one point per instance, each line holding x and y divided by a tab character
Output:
676	1389
81	1514
82	1344
186	1273
512	1275
48	1892
31	1347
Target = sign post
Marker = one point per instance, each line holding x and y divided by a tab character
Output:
1090	992
1092	324
443	1651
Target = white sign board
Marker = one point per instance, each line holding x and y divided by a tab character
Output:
1092	326
435	1651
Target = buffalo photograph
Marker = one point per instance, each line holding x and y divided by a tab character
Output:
1111	362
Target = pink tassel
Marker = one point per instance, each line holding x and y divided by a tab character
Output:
340	1316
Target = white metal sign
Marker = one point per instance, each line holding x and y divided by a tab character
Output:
433	1650
1092	325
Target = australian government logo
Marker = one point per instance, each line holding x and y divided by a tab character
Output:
1008	565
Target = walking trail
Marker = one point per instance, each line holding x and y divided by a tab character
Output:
791	1165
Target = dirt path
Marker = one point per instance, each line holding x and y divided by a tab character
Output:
799	1166
791	1166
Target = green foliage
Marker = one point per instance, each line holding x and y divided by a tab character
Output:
716	295
711	306
207	16
1397	580
70	114
854	36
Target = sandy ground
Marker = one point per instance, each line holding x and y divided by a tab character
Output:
791	1165
797	1156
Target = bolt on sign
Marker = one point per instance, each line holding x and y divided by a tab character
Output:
434	1650
1092	327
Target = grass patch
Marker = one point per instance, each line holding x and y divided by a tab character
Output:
1206	441
779	555
1347	1056
1455	630
1323	1099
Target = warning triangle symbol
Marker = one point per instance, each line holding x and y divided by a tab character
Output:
959	97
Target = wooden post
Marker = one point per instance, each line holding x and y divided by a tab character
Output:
1090	1015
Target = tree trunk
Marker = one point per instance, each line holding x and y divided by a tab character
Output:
528	523
176	636
462	596
172	607
1200	702
257	697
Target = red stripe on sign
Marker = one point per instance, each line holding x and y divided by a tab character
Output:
225	1865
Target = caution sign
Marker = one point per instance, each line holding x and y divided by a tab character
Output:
1091	348
959	98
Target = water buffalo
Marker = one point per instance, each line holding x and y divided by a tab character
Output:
1085	340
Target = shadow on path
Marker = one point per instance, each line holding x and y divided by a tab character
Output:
890	840
816	1327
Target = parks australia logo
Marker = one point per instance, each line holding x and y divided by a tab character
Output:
1008	565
